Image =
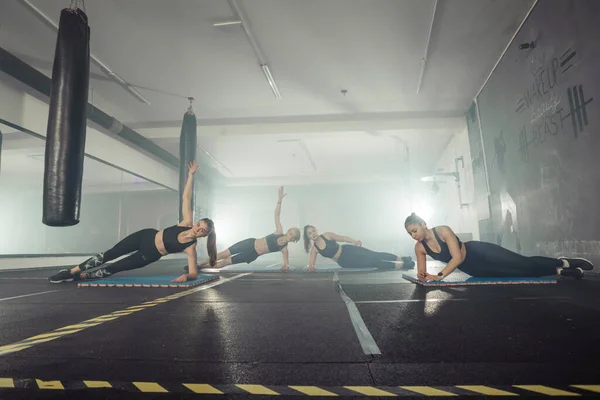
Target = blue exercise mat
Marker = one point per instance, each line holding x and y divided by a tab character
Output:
333	268
148	282
245	268
277	268
462	279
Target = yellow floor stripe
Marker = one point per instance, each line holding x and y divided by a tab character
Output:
24	344
38	341
51	335
202	389
76	326
7	383
12	346
102	319
56	385
546	390
487	390
14	349
370	391
150	387
591	388
97	384
313	391
257	389
428	391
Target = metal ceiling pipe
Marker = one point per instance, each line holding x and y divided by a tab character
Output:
120	81
33	78
424	59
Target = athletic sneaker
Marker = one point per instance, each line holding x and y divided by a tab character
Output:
97	274
582	263
407	262
93	262
63	276
576	273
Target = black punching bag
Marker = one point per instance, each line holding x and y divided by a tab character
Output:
65	137
187	153
0	151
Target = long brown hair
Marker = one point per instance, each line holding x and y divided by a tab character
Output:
211	241
306	239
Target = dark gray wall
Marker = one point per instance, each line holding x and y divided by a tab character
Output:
540	126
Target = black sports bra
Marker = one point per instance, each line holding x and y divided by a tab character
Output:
172	245
272	242
444	254
331	248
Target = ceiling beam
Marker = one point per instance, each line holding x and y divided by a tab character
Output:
300	125
314	180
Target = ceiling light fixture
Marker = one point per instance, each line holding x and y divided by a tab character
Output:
274	88
254	44
227	23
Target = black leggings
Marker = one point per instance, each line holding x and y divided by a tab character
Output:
490	260
142	242
359	257
243	251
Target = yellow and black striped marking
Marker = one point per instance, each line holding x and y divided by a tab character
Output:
299	390
68	330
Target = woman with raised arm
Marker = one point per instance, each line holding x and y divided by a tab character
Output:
248	250
482	259
351	255
149	245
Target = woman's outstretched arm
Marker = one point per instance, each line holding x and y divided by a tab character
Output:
186	197
278	227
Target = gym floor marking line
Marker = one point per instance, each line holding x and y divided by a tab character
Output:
294	390
455	299
591	388
546	390
258	390
428	391
313	391
201	388
82	325
370	391
97	384
27	295
150	387
7	383
53	385
60	332
365	338
488	391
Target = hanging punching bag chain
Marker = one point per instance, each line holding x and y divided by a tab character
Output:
75	5
190	110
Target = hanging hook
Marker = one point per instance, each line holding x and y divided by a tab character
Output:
190	109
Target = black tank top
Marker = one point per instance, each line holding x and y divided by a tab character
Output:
444	254
331	248
172	245
272	242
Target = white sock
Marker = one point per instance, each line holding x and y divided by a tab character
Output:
565	263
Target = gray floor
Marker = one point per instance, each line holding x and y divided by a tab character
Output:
281	330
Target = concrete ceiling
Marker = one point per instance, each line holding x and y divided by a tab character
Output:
314	49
